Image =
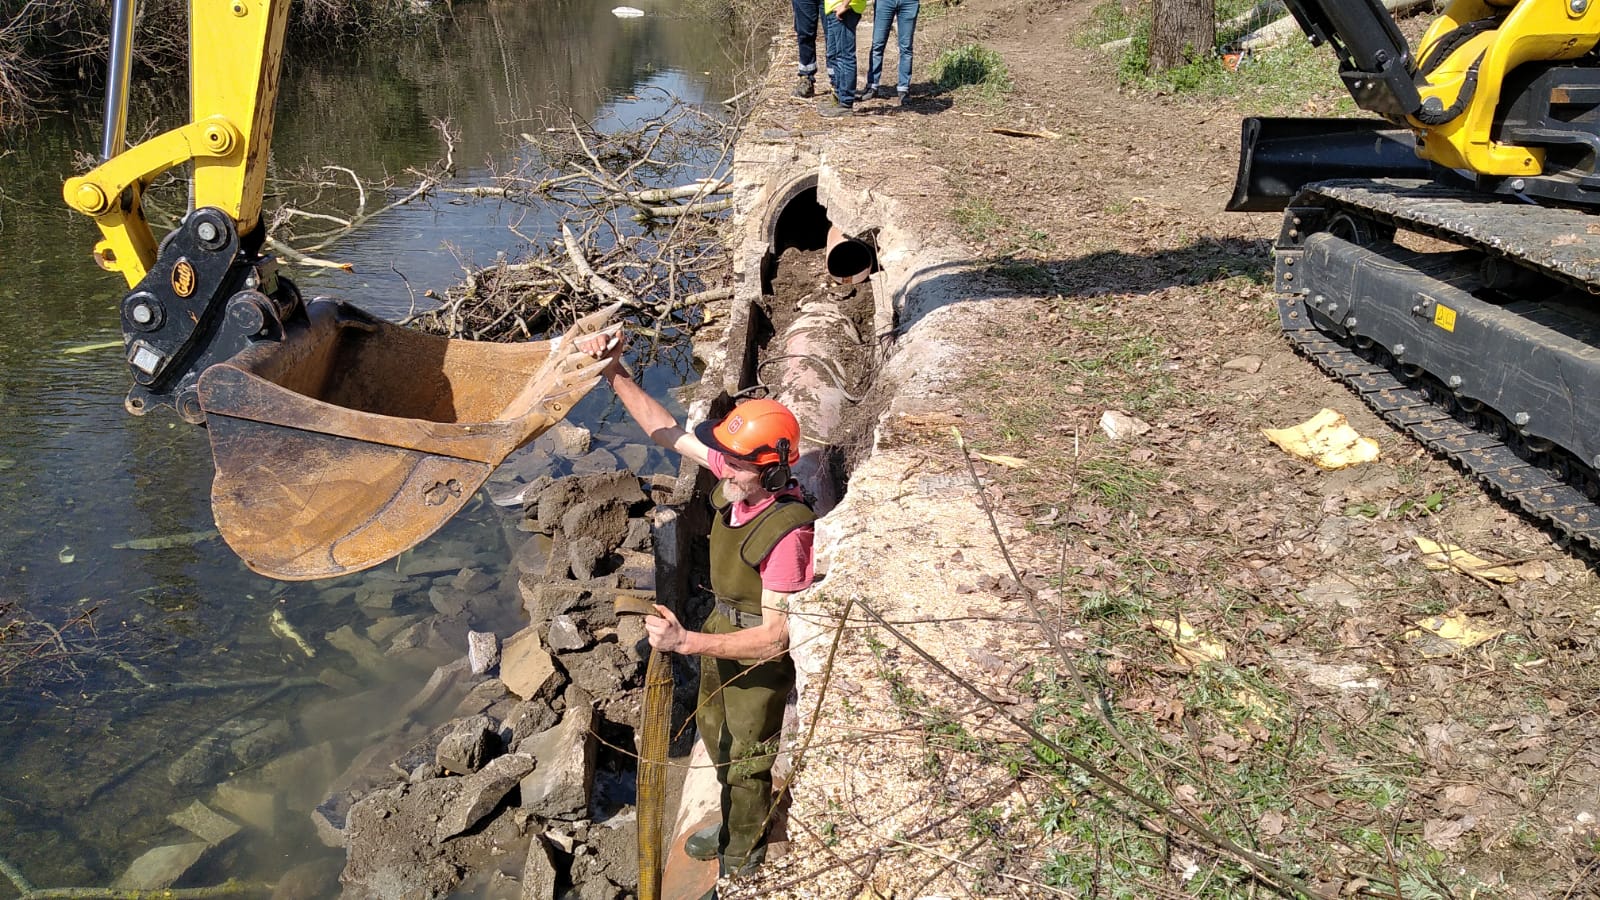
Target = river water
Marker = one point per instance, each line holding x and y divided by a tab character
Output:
167	645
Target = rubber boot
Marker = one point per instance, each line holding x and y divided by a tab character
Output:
704	844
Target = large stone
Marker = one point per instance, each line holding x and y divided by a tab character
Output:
483	651
539	872
448	600
474	581
586	556
316	880
543	600
387	627
302	776
567	634
415	563
526	719
560	786
364	652
481	792
570	440
532	556
638	536
203	763
594	462
158	869
204	823
600	487
468	744
248	803
601	671
260	744
603	520
525	667
484	697
391	846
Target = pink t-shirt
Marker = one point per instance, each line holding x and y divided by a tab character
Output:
789	567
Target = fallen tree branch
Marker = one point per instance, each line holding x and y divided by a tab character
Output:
691	209
591	278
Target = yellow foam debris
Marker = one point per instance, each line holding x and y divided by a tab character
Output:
1440	557
1325	439
1446	634
1189	646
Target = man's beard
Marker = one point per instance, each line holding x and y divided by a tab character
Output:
734	492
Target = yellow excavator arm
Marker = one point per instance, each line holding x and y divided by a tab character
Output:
236	47
339	439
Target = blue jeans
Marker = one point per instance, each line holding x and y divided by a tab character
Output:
840	35
902	14
806	13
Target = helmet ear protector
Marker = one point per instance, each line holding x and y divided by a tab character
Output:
775	477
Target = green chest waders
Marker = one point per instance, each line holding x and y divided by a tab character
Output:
741	701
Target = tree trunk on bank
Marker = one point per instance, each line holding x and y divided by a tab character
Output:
1180	31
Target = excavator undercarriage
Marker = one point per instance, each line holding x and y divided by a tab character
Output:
1453	288
1485	346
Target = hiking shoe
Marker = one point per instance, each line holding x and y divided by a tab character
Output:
902	98
877	92
805	86
833	109
702	845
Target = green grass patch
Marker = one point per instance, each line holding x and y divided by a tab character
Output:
972	71
1277	80
1119	484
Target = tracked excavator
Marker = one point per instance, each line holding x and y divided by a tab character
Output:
1442	260
339	439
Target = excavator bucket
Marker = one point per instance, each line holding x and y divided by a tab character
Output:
355	439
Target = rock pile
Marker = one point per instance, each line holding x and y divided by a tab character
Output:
526	790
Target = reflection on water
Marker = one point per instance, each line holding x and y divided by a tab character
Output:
179	678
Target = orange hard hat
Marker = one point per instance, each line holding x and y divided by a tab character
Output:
752	432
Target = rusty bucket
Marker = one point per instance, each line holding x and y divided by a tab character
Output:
344	445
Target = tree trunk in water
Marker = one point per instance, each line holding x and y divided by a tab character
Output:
1180	31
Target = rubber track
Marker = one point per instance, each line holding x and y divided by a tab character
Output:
1553	241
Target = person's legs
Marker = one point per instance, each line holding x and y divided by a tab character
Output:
844	68
882	18
806	13
710	718
753	700
905	28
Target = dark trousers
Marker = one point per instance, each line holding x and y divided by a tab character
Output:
806	14
740	718
840	34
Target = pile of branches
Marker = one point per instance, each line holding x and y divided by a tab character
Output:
622	219
35	649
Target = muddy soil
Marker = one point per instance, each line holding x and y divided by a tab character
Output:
1302	733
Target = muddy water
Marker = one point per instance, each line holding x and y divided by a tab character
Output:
170	648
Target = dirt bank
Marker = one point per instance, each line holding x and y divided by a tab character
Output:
1305	737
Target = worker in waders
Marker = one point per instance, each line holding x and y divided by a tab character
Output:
761	554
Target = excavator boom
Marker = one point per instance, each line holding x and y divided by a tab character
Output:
339	440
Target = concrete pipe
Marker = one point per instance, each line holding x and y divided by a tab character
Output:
812	384
850	260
